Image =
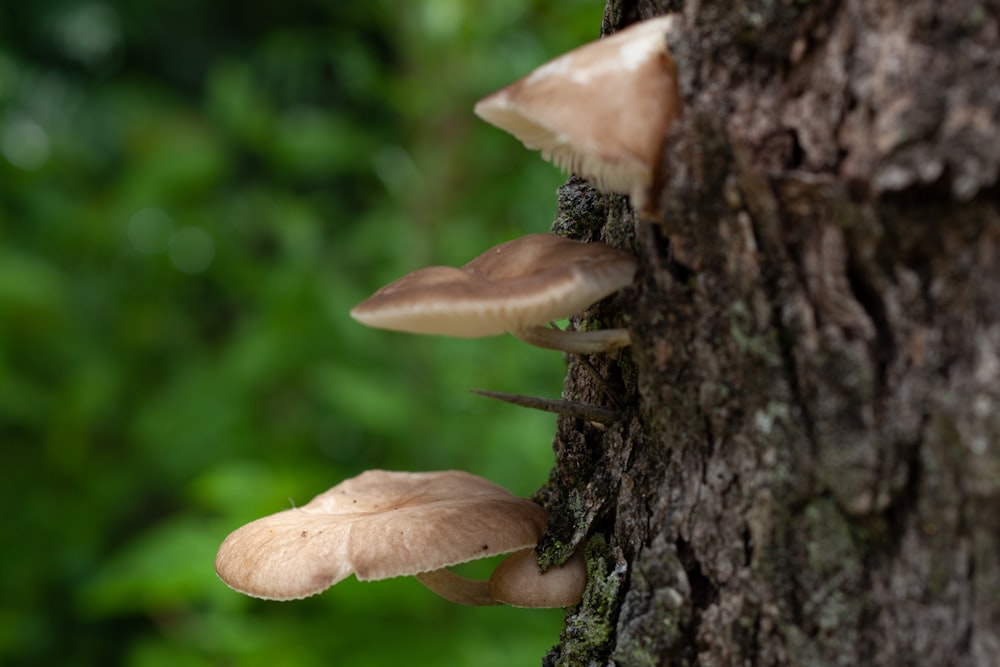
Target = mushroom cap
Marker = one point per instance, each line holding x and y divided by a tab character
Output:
521	283
378	525
600	110
519	582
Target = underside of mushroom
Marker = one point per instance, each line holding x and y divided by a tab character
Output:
578	342
456	588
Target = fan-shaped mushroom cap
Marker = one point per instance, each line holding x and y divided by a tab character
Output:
601	110
378	525
519	582
514	286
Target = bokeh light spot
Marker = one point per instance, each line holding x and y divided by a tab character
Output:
89	33
395	168
192	250
25	144
444	18
150	230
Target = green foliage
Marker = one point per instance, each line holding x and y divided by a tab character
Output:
192	197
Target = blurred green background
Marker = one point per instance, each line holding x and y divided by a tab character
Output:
192	196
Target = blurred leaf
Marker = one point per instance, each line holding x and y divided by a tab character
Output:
163	382
166	568
29	288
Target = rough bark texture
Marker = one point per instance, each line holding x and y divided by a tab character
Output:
807	465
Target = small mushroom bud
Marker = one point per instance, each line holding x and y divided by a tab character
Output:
519	582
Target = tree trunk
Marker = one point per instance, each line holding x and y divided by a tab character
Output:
806	469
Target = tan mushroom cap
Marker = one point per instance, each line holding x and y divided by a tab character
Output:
519	284
519	582
601	110
377	525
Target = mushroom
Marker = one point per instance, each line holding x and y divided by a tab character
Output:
517	286
377	525
602	110
519	582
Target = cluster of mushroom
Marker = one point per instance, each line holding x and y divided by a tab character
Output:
602	111
384	524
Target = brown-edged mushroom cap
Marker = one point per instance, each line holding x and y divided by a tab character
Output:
519	582
601	110
377	525
516	286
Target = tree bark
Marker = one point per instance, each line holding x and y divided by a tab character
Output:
806	464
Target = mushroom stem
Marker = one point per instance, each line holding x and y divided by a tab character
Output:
585	411
452	587
579	342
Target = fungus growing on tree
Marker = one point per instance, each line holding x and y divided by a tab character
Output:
519	582
519	286
601	111
378	525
